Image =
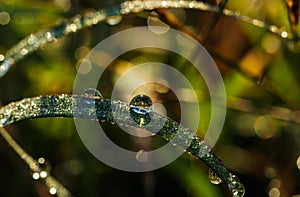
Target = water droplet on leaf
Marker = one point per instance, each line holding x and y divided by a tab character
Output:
52	190
233	178
141	104
140	108
92	92
238	189
114	20
36	176
213	178
40	169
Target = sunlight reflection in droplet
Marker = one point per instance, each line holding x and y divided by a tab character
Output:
164	3
265	127
274	192
52	191
71	28
114	20
24	52
43	174
41	160
284	34
4	18
141	104
35	176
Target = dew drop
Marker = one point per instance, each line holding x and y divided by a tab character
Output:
233	178
284	34
44	167
43	174
238	189
24	51
71	28
140	108
92	92
36	176
213	178
52	190
141	104
114	20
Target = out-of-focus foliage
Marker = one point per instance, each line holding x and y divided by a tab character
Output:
261	136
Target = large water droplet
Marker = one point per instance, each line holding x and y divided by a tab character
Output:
114	20
238	189
141	104
140	108
213	178
92	92
52	190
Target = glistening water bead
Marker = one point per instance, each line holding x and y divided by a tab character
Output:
141	104
140	108
114	20
42	169
238	189
213	178
92	92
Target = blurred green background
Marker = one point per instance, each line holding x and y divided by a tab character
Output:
261	136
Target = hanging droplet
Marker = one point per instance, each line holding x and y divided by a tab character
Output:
52	190
44	167
92	92
140	108
213	178
141	104
114	20
40	169
233	178
36	176
238	189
